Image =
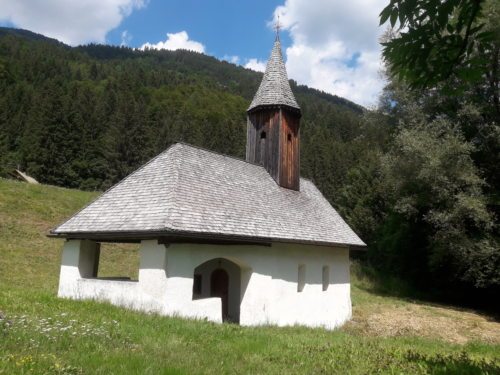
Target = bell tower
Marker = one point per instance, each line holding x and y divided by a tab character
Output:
273	119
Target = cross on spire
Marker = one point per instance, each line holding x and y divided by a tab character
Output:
277	27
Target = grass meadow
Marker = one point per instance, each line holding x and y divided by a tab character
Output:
41	334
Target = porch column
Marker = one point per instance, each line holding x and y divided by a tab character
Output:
80	259
152	269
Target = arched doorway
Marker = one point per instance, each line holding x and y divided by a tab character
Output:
219	287
222	278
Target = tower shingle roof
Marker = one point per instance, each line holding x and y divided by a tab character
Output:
275	87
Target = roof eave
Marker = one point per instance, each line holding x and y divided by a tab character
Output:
194	237
254	108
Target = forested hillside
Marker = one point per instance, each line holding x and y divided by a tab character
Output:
417	178
85	117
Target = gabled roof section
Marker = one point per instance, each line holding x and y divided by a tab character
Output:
275	87
188	190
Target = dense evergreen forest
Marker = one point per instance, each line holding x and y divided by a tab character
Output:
86	117
417	177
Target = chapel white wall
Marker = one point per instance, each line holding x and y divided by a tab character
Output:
269	281
268	288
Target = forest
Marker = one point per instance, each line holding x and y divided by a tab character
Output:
417	177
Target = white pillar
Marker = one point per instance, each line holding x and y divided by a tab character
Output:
152	269
80	259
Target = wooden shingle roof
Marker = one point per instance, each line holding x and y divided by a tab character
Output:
188	190
275	87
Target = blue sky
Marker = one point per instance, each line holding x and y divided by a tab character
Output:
331	45
226	28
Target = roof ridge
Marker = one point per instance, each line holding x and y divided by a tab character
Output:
218	153
229	156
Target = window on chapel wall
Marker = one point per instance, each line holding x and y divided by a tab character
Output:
326	277
262	148
301	278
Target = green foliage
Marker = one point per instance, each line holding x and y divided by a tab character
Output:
438	39
434	184
443	169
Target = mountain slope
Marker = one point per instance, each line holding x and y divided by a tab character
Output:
87	116
28	35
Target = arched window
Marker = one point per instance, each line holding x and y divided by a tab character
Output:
326	277
262	148
301	278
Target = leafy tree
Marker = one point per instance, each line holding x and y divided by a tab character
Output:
442	40
434	185
443	92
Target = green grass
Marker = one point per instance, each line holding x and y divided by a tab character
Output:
43	334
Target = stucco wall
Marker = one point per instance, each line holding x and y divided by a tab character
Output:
76	277
267	289
269	281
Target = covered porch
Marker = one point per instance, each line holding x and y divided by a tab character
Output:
207	286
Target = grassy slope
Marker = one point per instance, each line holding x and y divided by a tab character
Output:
43	334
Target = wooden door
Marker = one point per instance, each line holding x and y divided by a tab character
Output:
219	287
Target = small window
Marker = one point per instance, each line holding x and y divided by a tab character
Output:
301	279
197	284
263	135
289	137
326	277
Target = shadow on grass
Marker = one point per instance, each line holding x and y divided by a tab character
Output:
456	363
368	279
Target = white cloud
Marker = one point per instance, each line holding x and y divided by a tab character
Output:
176	41
255	64
231	58
72	22
126	38
335	46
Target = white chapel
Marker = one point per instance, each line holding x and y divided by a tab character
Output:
222	239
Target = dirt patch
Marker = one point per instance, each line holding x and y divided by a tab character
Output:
447	324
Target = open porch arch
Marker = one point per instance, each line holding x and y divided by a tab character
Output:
222	278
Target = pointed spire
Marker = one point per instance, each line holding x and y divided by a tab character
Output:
274	89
